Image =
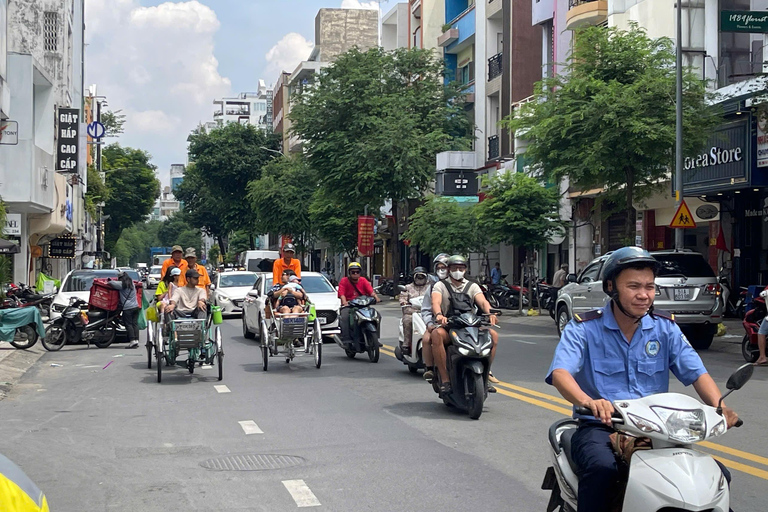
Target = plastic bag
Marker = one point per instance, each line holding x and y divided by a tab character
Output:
142	314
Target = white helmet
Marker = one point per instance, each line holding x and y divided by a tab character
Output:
764	294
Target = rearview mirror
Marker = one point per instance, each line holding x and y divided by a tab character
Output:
212	286
571	278
254	293
740	377
401	288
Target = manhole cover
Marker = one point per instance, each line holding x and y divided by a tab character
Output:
253	462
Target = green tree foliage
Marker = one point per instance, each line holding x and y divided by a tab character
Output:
463	237
97	191
519	210
609	120
178	230
373	122
280	199
225	161
201	208
334	222
113	122
133	188
133	245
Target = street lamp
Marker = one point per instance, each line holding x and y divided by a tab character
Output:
272	150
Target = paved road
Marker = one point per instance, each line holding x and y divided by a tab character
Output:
356	435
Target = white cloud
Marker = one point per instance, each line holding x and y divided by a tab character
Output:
357	4
288	53
158	65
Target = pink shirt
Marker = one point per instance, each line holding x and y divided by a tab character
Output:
347	290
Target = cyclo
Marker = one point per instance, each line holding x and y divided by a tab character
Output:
280	334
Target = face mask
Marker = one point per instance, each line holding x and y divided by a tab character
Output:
458	274
442	274
419	280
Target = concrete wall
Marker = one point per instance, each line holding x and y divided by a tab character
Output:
394	28
338	30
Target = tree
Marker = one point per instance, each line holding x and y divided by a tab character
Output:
133	245
225	160
372	124
133	188
201	208
113	122
609	120
463	237
97	191
280	199
178	230
333	222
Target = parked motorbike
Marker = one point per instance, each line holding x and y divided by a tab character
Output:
365	331
657	479
78	323
468	360
546	296
412	359
22	296
751	323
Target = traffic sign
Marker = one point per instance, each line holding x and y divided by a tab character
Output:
683	217
96	130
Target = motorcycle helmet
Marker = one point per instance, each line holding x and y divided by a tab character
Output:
419	270
457	259
354	266
624	258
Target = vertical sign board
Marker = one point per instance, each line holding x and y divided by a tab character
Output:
67	140
365	225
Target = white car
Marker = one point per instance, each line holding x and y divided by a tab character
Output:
154	277
78	284
230	289
319	290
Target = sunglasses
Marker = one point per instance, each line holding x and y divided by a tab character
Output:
354	271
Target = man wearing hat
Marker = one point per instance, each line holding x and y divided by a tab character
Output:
203	280
190	299
174	261
287	262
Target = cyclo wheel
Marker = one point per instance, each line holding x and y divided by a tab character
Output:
160	361
150	345
317	344
31	337
264	346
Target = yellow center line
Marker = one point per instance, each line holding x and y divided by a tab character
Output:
759	473
735	452
539	394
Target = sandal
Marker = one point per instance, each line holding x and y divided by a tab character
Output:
429	375
445	388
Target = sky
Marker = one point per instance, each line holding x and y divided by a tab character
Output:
164	62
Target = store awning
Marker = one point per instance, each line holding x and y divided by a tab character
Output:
8	247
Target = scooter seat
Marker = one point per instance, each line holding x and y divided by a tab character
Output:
565	442
97	314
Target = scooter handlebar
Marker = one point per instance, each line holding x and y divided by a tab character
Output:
738	423
586	411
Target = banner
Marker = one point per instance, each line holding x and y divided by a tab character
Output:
365	225
67	140
755	22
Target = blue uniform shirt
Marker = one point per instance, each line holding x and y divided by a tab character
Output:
605	366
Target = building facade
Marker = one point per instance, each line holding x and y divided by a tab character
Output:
254	108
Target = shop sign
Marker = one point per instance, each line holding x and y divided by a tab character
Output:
723	161
706	211
12	224
365	225
762	138
755	22
62	247
715	156
763	212
67	139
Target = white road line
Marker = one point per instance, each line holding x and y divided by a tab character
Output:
301	493
206	367
250	427
222	389
526	342
550	336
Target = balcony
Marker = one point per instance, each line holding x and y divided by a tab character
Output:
585	12
449	37
493	147
217	113
495	66
493	10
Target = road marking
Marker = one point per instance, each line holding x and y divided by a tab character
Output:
206	367
539	394
387	349
733	451
525	342
222	389
301	493
760	473
250	427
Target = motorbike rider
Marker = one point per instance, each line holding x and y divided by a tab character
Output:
351	287
462	297
621	351
416	289
440	271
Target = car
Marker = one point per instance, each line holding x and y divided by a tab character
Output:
685	286
258	261
320	291
230	289
153	278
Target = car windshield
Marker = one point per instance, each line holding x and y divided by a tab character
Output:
683	265
155	269
316	284
81	281
232	280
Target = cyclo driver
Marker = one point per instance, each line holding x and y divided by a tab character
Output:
621	352
454	296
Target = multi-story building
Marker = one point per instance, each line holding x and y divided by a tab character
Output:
426	22
280	122
177	175
254	108
394	27
166	205
44	75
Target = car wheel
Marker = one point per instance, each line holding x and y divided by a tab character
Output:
246	332
562	319
700	336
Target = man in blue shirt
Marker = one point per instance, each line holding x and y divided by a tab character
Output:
496	274
622	351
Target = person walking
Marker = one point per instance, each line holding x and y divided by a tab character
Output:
129	304
559	279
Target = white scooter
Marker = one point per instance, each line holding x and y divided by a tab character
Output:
668	476
413	360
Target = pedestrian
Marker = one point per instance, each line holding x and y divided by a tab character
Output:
496	274
129	304
560	277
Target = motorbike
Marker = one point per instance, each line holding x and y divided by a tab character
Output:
468	359
78	323
365	331
413	359
22	296
751	323
658	479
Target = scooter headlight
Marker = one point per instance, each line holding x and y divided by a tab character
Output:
643	424
486	352
463	351
718	429
683	426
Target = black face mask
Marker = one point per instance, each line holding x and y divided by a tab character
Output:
420	280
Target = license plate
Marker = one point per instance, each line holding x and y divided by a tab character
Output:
293	320
186	326
682	294
322	320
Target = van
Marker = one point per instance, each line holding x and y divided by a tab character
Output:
258	261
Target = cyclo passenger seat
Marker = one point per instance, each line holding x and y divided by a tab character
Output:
460	302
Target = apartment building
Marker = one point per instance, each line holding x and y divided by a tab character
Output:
280	122
254	108
394	27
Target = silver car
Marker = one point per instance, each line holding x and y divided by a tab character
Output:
686	286
230	289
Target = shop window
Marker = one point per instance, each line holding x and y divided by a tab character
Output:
736	49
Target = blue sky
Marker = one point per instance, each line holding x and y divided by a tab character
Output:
164	62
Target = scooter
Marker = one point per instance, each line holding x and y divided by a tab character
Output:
468	359
413	359
671	475
77	323
365	329
751	323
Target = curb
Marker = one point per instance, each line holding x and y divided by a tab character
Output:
14	363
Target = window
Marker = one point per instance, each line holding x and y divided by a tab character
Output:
590	273
683	265
51	31
467	73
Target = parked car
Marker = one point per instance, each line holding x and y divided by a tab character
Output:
153	278
686	286
258	261
230	289
319	289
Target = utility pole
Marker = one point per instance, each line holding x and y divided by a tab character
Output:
679	239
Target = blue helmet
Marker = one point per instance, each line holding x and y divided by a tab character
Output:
624	258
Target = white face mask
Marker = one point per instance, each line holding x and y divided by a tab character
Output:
442	274
458	274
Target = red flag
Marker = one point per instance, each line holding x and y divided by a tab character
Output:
721	245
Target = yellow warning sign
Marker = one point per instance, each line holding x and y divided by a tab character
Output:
683	217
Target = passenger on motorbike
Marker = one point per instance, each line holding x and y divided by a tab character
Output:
351	287
462	297
621	351
189	300
416	289
440	271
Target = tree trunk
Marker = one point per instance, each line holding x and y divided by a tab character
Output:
629	223
251	241
222	245
396	245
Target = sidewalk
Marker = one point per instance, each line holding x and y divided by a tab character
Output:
14	363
